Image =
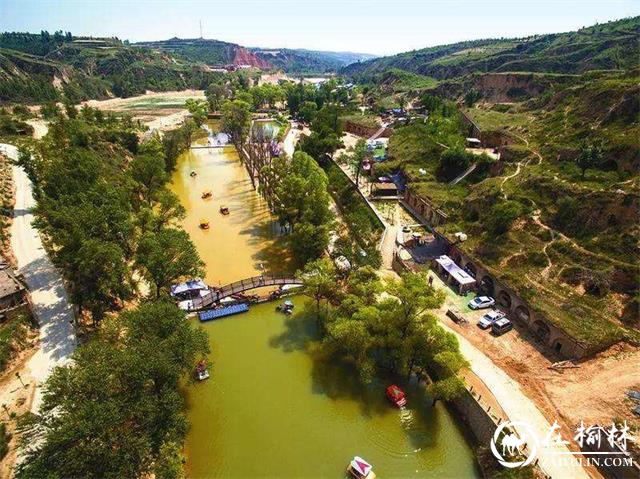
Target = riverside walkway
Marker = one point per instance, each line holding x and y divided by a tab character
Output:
241	286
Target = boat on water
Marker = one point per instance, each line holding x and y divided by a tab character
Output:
204	224
396	396
224	210
360	469
202	372
286	307
207	194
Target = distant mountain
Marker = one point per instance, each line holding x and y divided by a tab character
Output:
309	61
38	67
218	53
607	46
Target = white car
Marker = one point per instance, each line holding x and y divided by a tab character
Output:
481	302
488	319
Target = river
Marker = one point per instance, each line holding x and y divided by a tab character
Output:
271	409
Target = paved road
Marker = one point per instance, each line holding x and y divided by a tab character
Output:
51	306
518	407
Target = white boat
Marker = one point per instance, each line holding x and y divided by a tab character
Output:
360	469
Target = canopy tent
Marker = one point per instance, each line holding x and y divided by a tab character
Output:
464	281
361	466
188	287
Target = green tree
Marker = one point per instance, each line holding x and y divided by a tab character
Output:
590	157
453	162
446	389
356	158
116	410
148	170
415	296
501	216
198	110
175	142
308	111
166	256
319	280
216	94
101	278
236	120
471	97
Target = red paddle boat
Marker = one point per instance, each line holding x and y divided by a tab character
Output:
396	395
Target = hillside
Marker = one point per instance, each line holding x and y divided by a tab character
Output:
570	244
308	61
210	52
33	68
612	45
218	53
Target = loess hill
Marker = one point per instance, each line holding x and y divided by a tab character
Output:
38	68
572	248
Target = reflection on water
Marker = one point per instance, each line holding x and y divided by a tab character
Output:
274	408
215	138
238	245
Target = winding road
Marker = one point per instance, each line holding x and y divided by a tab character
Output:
52	309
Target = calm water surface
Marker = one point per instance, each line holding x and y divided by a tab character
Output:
271	409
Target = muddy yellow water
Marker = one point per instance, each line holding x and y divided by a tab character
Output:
237	245
270	408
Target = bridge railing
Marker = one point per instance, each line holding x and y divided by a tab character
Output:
243	285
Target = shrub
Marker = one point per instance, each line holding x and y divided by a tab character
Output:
452	163
5	437
501	217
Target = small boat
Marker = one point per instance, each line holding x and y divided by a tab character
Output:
204	224
202	372
224	210
360	469
193	174
396	396
207	194
286	307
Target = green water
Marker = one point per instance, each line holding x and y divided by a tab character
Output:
270	408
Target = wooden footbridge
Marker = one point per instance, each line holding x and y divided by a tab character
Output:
263	281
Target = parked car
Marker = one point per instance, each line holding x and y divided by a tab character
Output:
488	319
481	302
501	326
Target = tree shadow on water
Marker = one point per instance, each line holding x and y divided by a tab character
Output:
330	376
425	426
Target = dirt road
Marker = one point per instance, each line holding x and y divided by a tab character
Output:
48	295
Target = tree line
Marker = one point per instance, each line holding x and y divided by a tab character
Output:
384	327
112	227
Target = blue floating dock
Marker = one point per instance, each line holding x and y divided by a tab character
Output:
222	312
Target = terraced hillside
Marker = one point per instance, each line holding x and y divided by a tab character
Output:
35	69
210	52
613	45
556	217
218	53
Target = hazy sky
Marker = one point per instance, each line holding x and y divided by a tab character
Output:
370	26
